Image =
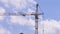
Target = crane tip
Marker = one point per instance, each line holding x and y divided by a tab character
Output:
37	4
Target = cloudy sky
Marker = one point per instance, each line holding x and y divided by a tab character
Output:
49	22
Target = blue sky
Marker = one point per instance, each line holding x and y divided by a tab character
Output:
25	24
50	8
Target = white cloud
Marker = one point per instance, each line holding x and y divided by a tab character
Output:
18	4
30	11
4	1
21	20
50	27
32	1
18	20
2	11
4	31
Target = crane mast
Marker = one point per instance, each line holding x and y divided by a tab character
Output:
36	20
